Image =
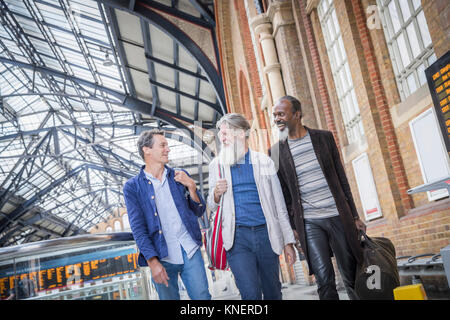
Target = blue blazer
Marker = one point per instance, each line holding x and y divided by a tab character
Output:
144	217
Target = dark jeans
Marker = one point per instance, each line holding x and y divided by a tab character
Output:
322	236
254	264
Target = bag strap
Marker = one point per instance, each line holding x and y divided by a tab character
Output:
220	177
220	171
365	238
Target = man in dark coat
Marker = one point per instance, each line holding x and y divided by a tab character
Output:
318	198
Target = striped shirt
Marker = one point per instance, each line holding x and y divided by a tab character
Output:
317	200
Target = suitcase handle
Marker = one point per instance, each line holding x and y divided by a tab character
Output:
363	235
366	239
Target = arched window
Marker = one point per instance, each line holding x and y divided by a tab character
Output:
117	226
125	222
108	229
246	106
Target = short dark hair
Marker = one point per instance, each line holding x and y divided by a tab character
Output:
295	103
146	140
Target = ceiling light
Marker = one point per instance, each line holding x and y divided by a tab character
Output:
107	62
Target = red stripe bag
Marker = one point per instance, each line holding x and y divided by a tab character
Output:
214	242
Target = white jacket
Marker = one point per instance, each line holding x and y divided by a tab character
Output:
270	196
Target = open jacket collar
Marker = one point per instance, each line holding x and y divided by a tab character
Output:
142	175
285	151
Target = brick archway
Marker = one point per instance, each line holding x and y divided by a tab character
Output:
244	96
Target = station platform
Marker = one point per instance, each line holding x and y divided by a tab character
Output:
104	267
289	292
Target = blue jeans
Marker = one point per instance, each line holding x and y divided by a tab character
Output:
192	273
254	264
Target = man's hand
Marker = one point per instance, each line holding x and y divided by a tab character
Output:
220	189
185	180
159	273
297	243
296	235
188	182
360	225
289	254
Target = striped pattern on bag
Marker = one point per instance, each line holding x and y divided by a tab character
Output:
214	242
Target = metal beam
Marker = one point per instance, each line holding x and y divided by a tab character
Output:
3	196
22	209
171	10
114	38
204	11
150	65
145	10
176	67
126	101
136	129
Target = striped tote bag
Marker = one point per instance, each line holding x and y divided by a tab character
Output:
214	242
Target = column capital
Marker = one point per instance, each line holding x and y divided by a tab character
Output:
311	5
281	14
273	67
261	24
278	6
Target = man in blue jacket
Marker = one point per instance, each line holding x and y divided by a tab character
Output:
163	208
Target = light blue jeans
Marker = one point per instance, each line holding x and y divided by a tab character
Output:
192	274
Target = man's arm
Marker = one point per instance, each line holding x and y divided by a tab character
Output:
195	199
283	215
280	204
137	223
287	198
212	181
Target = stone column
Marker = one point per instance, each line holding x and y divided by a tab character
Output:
271	66
293	58
263	30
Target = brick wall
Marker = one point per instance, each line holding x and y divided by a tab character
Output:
304	24
423	226
437	14
241	76
291	59
414	224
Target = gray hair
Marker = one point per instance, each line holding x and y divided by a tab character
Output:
295	103
235	121
146	140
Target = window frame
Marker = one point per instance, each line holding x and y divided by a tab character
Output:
425	57
348	103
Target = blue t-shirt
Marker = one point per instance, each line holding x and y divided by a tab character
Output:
246	199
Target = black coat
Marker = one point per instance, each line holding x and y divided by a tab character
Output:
333	170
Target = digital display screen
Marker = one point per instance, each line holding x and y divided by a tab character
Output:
438	77
66	275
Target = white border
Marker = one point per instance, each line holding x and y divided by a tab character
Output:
441	193
372	185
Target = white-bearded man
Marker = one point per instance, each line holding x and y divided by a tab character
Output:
255	223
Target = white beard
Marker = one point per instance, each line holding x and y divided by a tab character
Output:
231	154
283	135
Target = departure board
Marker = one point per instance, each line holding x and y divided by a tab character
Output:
66	275
438	77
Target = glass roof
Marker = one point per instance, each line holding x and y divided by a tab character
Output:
67	146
